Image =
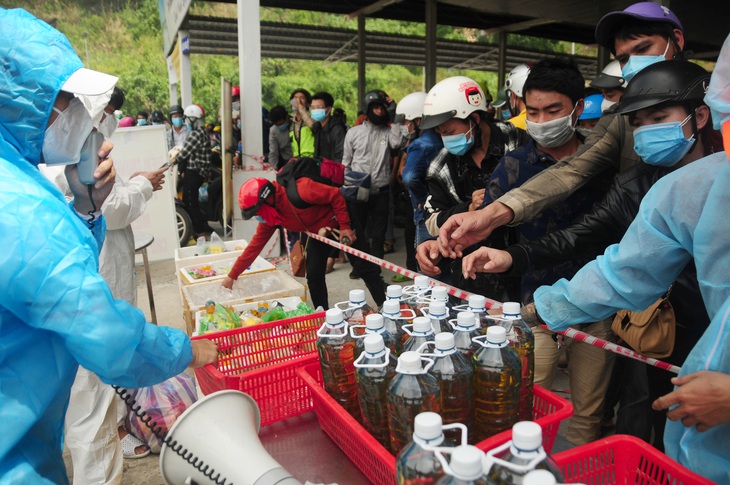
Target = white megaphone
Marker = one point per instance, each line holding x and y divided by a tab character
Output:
218	437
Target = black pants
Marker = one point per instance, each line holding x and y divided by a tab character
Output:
317	253
191	184
369	272
373	217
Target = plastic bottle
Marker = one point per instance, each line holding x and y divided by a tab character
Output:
416	464
477	304
466	327
373	324
497	374
509	463
412	391
438	313
395	292
418	291
439	294
522	340
465	467
356	308
394	317
374	369
422	331
455	376
336	350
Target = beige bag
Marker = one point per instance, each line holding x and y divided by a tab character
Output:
651	332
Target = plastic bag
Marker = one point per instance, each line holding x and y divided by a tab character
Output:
218	317
216	246
163	403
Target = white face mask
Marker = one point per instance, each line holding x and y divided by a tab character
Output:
108	125
64	138
553	133
605	104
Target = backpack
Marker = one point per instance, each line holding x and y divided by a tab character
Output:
322	170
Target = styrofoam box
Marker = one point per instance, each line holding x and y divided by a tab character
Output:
221	269
247	288
188	256
288	302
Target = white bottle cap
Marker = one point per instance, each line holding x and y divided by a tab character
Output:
427	426
466	462
374	343
409	361
357	297
466	319
333	316
374	321
421	282
477	301
440	293
539	477
496	334
511	308
391	307
444	341
421	324
526	435
394	291
437	308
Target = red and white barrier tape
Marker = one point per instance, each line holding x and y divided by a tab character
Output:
464	295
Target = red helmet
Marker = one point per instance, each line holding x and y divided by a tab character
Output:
126	122
253	193
235	91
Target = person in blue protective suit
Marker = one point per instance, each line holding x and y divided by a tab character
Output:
683	216
56	312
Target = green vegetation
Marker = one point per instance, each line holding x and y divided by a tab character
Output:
122	37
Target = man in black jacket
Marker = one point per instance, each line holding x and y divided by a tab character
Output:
329	132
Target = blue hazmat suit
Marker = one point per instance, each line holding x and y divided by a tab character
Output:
55	310
684	215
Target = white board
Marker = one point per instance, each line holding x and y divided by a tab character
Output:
144	149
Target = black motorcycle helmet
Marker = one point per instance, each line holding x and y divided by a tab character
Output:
157	117
372	97
175	109
674	81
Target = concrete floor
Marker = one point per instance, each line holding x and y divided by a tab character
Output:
322	462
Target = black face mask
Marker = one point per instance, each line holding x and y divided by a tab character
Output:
377	119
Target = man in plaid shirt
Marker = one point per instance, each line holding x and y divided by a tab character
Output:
195	158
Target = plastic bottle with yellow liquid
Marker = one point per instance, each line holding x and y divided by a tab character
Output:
394	317
419	332
374	369
464	468
466	327
374	324
416	464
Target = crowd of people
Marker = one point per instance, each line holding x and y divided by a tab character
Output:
578	202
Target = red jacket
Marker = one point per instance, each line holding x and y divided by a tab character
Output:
328	209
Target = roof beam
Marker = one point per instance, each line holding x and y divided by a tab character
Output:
372	8
518	26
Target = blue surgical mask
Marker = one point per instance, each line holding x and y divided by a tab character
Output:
238	124
637	63
284	127
177	122
458	144
189	126
319	114
260	219
662	144
142	122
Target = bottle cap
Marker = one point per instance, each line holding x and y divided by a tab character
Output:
409	361
444	341
466	319
374	343
394	291
478	302
357	297
466	462
391	307
421	282
437	308
427	426
421	324
539	477
440	293
374	321
496	335
333	316
526	435
511	308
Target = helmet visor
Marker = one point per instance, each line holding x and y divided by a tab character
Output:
432	121
250	212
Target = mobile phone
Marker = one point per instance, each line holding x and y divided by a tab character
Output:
89	161
169	164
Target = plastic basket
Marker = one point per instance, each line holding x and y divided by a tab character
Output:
623	459
262	361
377	463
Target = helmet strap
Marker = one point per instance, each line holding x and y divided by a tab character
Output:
476	131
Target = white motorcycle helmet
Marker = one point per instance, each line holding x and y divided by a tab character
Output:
516	78
610	78
410	107
454	97
195	114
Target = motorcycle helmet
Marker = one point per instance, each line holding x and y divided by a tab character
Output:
610	78
454	97
592	108
195	114
373	97
235	91
253	193
175	109
126	122
157	117
516	78
410	107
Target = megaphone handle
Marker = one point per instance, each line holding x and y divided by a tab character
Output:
171	444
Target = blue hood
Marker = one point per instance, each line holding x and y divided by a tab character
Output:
35	61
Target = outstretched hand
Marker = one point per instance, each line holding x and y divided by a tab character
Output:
428	256
701	399
467	228
486	260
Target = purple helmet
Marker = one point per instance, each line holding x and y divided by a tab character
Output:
648	11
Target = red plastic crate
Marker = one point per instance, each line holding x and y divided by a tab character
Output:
623	459
261	361
377	463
